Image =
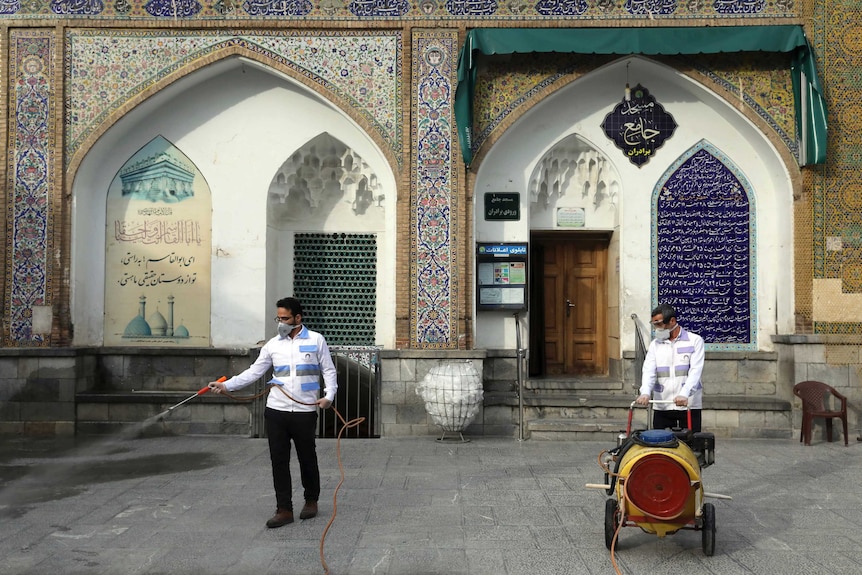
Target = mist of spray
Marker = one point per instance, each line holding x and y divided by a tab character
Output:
41	482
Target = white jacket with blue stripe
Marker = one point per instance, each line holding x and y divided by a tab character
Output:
297	364
673	368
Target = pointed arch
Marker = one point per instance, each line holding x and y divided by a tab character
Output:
325	218
550	87
573	173
319	177
230	49
251	123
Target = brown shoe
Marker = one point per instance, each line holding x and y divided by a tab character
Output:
281	517
309	510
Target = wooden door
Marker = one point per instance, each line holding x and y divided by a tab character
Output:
575	306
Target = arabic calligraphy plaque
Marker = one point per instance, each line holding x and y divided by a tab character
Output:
74	7
471	7
703	252
739	6
562	7
383	8
650	7
173	8
639	126
277	7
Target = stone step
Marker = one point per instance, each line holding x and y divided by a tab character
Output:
608	400
167	426
584	416
575	429
577	399
584	384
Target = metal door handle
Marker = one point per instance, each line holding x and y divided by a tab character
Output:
569	306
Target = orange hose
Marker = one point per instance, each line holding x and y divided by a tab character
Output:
617	535
345	425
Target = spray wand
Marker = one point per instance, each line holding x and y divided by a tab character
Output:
201	391
346	425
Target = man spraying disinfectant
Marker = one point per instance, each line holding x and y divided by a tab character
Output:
298	357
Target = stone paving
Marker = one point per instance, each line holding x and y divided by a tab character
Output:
412	506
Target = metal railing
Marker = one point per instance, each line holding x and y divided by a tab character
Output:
521	353
358	392
358	395
642	338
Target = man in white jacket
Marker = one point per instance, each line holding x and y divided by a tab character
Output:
298	358
672	370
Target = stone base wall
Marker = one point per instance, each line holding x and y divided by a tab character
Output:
835	360
37	391
40	388
746	400
136	415
402	409
743	391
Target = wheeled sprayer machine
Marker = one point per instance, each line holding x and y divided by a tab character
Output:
653	478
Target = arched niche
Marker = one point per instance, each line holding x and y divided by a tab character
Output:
574	179
326	222
237	123
511	162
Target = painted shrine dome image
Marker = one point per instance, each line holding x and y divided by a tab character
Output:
138	327
158	323
157	326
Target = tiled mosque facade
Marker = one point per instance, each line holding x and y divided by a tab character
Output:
73	69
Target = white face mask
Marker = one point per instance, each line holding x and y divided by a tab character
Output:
284	329
662	334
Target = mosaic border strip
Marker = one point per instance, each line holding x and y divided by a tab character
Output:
433	182
820	179
105	69
835	188
399	10
837	328
729	164
480	139
790	140
30	183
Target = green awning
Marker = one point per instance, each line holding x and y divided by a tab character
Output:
810	104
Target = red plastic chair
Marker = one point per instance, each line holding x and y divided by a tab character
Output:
813	395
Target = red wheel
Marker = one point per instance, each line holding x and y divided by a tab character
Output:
659	486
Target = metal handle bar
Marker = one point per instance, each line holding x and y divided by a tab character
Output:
635	402
653	401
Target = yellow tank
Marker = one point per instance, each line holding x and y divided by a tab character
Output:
659	486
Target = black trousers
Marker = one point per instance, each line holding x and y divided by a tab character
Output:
676	418
282	427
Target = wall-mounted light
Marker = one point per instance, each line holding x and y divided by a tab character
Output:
628	92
